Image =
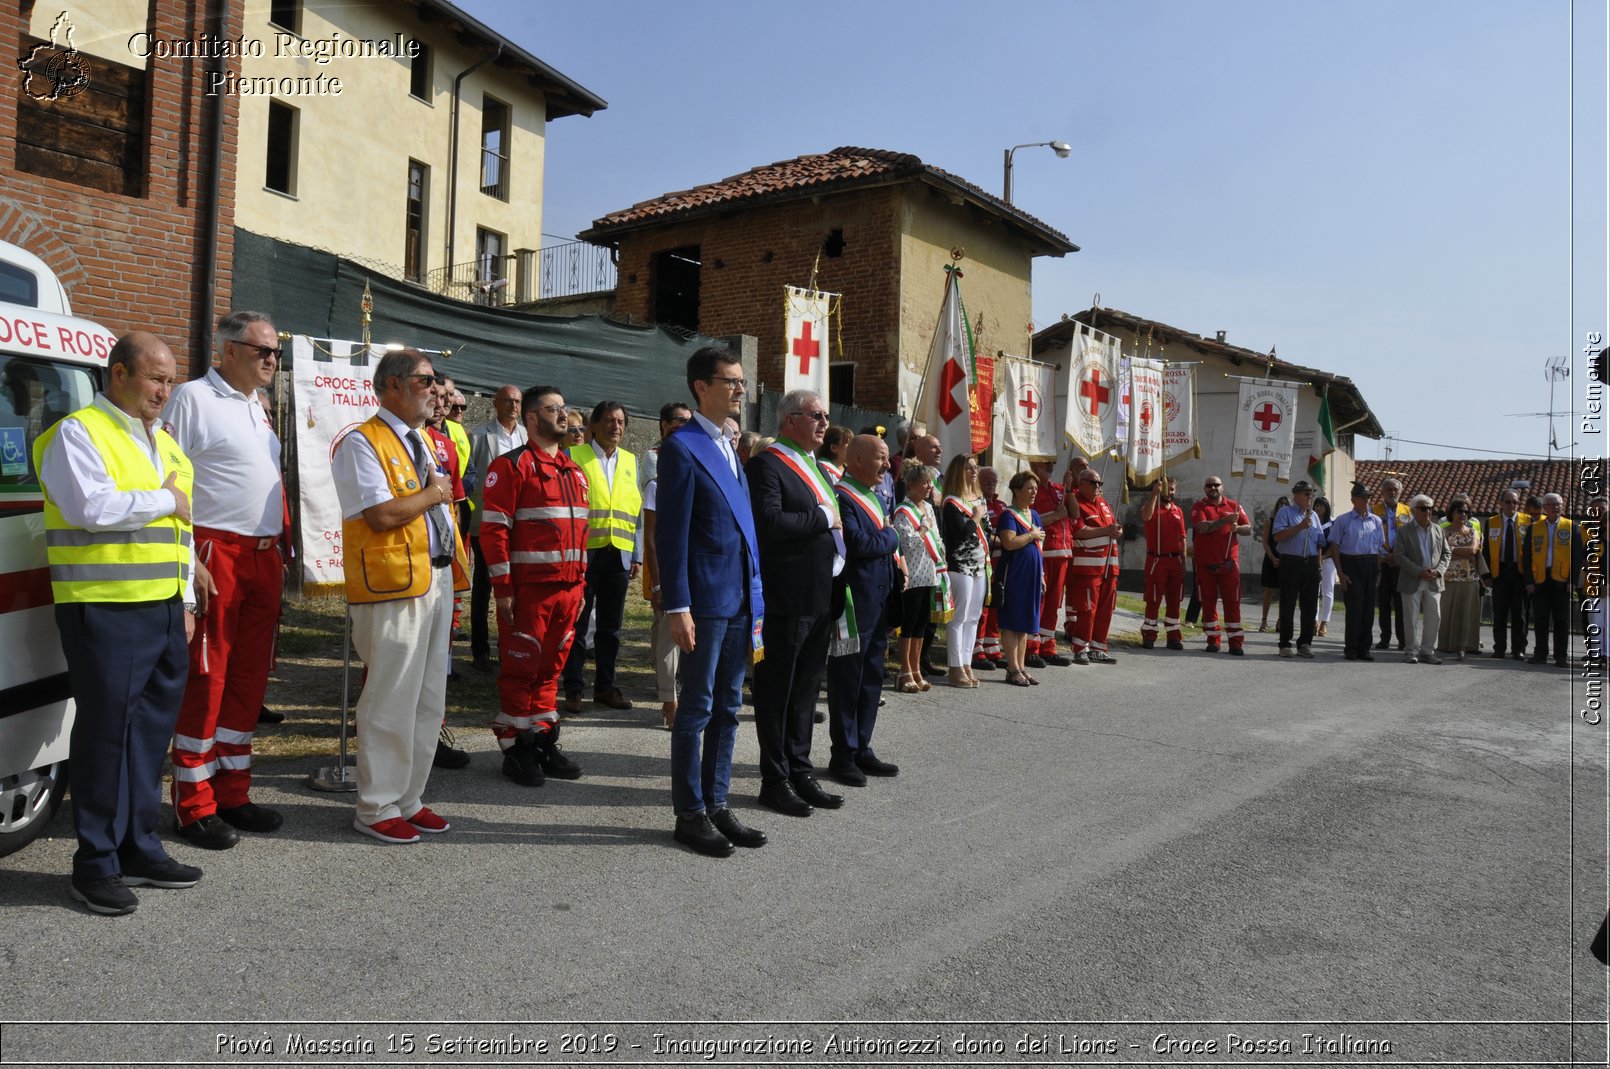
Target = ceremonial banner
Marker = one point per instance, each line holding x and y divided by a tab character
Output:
1092	412
1265	422
1027	428
983	402
1143	451
805	328
1324	446
947	388
1179	412
332	395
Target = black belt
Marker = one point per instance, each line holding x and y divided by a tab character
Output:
1165	554
444	561
1359	556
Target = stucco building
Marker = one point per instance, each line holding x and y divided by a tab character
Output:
878	227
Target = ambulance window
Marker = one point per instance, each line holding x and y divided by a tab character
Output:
18	285
34	395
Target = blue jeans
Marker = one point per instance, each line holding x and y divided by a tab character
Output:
712	692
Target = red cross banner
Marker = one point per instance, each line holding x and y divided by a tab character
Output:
805	353
1143	451
1179	412
1265	422
1091	421
1028	429
947	399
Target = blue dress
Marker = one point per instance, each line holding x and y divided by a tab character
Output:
1025	575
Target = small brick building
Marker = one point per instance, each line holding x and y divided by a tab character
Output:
877	226
107	164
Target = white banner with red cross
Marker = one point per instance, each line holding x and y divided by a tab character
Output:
946	402
805	332
1179	412
1092	414
1266	418
1028	427
1143	451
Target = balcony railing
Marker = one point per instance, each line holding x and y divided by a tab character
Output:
572	268
525	275
487	281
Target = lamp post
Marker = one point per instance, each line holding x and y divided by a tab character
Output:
1061	148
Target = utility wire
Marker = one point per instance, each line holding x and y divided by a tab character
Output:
1469	449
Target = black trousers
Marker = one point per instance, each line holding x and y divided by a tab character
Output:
480	602
1509	609
854	687
607	580
787	683
127	664
1363	576
1299	590
1551	610
1193	608
1387	600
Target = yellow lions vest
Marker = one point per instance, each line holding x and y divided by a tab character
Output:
150	564
612	511
1562	550
395	564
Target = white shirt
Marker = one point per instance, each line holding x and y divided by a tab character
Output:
720	436
609	463
360	484
74	473
228	437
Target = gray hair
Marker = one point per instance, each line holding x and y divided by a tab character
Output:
1422	499
1555	498
1392	482
793	402
915	468
232	327
397	364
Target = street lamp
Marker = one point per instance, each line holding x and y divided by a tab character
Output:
1061	148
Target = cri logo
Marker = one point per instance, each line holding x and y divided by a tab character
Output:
52	71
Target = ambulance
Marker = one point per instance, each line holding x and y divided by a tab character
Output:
51	364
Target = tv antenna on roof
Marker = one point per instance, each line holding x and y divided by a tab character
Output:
1555	369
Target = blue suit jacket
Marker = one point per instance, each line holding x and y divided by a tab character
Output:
704	531
869	570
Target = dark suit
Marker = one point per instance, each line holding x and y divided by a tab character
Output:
705	537
855	681
796	573
1509	584
1551	598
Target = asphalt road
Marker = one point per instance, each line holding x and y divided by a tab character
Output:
1184	858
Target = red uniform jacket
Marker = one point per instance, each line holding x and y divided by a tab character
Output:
534	520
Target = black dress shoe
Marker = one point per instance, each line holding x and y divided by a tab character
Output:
522	763
449	757
1034	660
698	833
1383	645
209	833
781	798
1060	660
251	817
734	830
1349	655
868	762
1366	656
810	790
1176	644
1519	655
932	672
265	715
845	770
165	873
1561	662
1497	655
483	662
1537	660
105	895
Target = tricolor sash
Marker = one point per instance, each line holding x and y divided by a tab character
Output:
978	531
808	471
944	606
833	472
846	637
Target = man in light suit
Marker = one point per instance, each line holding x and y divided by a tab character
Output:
709	567
1421	555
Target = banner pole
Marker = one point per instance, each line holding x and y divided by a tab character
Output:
336	780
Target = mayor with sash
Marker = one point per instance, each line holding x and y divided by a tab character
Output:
801	551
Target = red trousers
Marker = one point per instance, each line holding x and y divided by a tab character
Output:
1092	598
1222	585
1165	579
532	653
229	658
988	643
1056	575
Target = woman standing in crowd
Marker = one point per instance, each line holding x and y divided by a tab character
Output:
1461	590
1269	579
1327	569
964	525
1023	583
830	457
925	568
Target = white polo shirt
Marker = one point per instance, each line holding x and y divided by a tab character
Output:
228	437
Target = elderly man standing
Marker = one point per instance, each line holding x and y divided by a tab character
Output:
117	491
801	550
1422	557
1356	538
1554	556
1302	539
239	513
1394	514
501	434
403	562
1506	575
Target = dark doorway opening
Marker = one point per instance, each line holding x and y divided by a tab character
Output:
675	282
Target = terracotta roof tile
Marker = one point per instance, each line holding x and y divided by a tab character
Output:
1484	480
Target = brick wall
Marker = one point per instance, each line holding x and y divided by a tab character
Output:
750	256
134	262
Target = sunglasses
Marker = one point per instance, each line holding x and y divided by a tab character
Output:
264	352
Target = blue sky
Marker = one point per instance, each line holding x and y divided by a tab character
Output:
1383	190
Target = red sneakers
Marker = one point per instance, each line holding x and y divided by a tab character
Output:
396	830
425	820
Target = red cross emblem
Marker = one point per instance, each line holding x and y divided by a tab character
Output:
950	376
1030	404
1267	417
806	348
1094	392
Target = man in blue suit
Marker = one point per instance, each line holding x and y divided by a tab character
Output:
710	586
855	679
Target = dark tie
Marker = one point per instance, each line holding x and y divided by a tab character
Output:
1508	556
425	465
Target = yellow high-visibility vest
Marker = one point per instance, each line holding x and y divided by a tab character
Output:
612	511
1562	550
148	564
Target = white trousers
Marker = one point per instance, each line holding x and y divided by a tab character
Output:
1327	589
1420	635
404	643
967	593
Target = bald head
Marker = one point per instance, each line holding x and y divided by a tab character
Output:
867	458
141	373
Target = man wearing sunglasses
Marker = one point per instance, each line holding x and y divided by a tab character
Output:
1421	557
1218	522
1093	571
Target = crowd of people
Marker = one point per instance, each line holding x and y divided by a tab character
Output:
792	561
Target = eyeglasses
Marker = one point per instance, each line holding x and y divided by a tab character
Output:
1422	508
429	380
264	352
456	407
1212	486
732	384
677	421
1095	482
552	410
814	417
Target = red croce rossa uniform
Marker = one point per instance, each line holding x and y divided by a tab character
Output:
1056	551
1092	576
1218	569
1165	570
